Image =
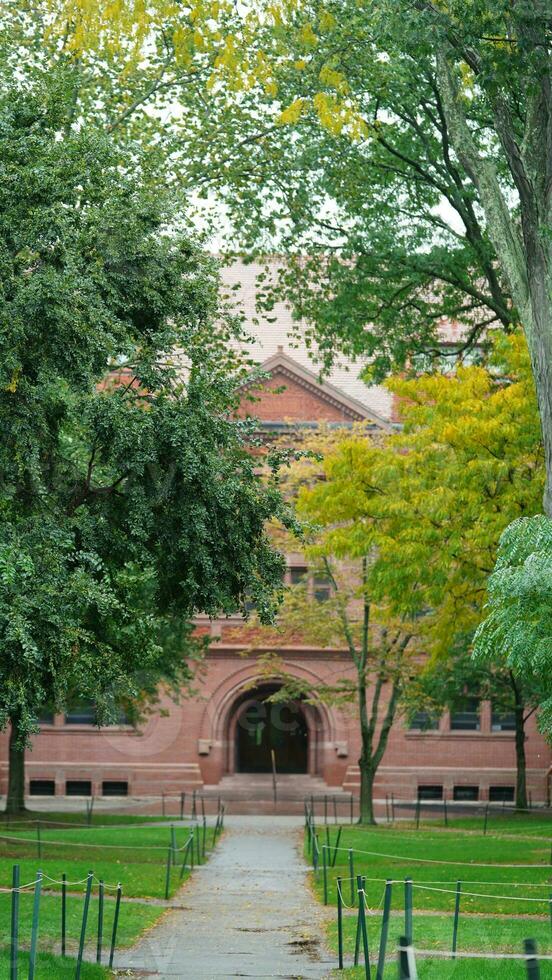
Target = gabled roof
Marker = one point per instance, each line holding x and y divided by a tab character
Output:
270	331
282	364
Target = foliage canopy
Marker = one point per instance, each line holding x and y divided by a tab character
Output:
128	498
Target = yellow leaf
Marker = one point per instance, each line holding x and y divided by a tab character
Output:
293	112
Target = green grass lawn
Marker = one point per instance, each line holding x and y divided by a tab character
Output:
475	933
49	967
401	851
99	818
136	856
133	919
482	863
460	970
499	822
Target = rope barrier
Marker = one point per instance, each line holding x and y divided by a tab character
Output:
404	859
111	888
70	843
343	902
509	884
509	898
447	954
30	884
56	881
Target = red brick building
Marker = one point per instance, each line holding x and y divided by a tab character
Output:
228	729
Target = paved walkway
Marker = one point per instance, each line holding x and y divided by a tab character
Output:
248	913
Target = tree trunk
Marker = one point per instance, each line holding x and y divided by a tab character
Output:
367	776
540	348
521	766
365	763
15	802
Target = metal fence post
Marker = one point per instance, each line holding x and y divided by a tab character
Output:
173	844
185	858
198	849
384	929
204	837
358	926
83	924
336	846
63	912
456	917
408	909
34	927
325	871
115	924
315	853
531	961
14	922
352	875
363	929
407	960
100	922
168	873
182	799
339	926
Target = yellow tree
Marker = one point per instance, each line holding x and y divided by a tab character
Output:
406	529
431	502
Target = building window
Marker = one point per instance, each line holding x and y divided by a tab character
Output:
115	787
297	575
423	721
501	794
46	718
84	713
465	717
503	722
466	793
322	588
78	787
430	792
81	713
42	787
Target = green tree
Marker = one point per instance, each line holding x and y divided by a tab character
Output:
516	632
444	681
417	179
128	498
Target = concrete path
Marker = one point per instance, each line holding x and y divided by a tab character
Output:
248	913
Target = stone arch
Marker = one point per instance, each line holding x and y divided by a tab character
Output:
325	724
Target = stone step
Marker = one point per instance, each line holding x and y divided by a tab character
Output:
252	792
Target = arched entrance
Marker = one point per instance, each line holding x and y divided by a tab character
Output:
263	728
